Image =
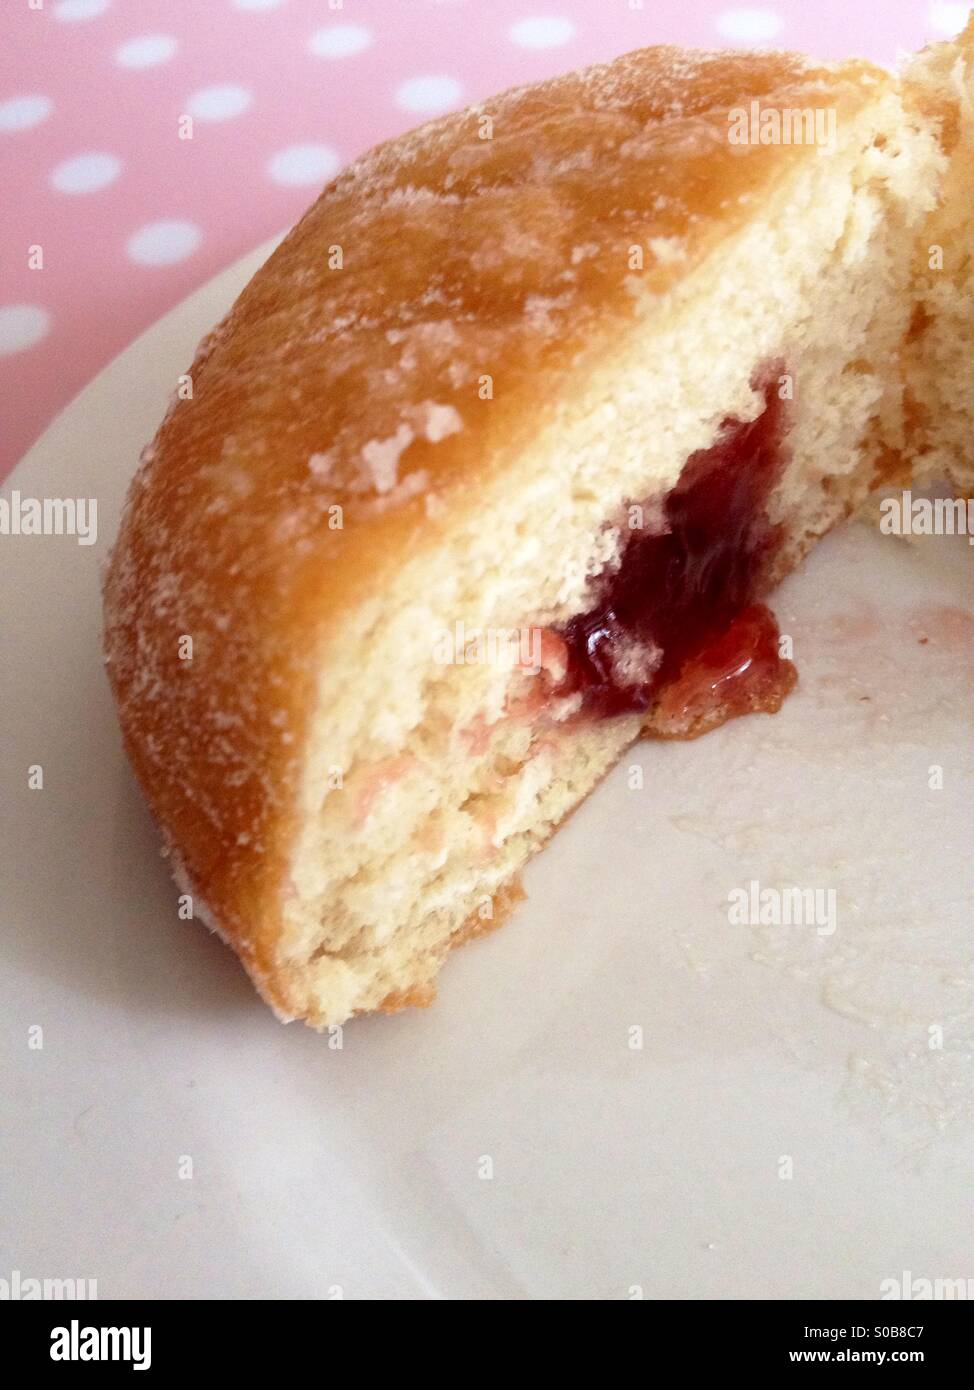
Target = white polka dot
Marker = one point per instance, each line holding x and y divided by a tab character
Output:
71	10
20	113
340	41
218	103
542	31
86	173
299	164
21	326
749	26
949	19
147	51
428	93
164	243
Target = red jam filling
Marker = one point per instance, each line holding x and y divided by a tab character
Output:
676	628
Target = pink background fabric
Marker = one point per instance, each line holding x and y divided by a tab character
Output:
130	218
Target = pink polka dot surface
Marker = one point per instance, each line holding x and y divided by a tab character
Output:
145	144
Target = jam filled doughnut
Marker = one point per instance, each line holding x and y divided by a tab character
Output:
590	366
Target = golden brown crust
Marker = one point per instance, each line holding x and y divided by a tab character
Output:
359	387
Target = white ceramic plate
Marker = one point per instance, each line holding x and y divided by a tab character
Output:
788	1128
